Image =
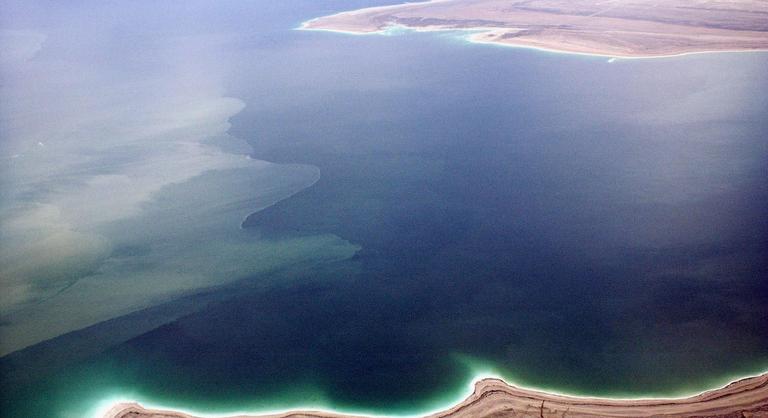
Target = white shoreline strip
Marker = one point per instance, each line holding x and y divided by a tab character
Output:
595	54
107	408
474	32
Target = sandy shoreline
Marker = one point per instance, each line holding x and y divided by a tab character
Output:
631	29
493	397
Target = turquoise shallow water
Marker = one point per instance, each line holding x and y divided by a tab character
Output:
443	210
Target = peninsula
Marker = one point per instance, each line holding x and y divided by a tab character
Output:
615	28
495	398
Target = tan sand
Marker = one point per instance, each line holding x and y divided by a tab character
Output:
616	28
494	398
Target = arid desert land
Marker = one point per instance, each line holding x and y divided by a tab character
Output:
617	28
495	398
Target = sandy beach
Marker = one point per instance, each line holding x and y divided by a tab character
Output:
628	29
492	397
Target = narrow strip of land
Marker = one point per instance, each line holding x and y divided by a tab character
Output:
494	398
616	28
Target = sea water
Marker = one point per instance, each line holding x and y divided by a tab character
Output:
366	223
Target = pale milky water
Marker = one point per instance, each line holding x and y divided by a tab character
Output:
421	209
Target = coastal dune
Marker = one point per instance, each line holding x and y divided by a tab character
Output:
626	28
491	397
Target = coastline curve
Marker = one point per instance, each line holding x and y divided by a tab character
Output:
632	29
493	397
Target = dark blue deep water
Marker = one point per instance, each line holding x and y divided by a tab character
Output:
567	223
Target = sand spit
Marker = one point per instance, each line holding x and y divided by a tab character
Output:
491	397
626	28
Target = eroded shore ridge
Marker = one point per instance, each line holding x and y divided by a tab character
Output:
625	28
494	398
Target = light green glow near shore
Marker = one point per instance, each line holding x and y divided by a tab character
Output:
479	369
482	369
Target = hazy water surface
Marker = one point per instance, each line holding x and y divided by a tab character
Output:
421	210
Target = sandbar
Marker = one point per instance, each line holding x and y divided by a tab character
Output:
614	28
